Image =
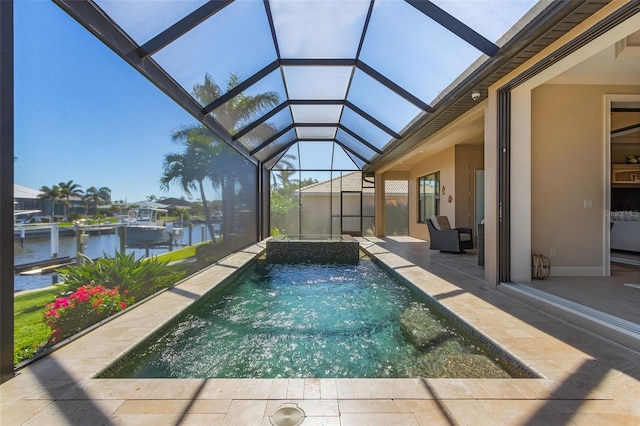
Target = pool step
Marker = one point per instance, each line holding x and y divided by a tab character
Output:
611	327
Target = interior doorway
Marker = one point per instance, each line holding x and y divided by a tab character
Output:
624	187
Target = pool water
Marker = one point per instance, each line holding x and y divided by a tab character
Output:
310	320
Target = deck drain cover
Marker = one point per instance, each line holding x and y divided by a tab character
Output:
287	415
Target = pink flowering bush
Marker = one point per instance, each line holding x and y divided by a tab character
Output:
84	307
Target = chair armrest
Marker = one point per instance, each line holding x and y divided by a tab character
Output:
449	233
464	230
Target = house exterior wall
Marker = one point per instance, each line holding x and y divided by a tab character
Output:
521	139
445	163
315	214
568	169
316	211
468	159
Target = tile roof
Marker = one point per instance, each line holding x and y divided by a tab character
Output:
353	182
20	191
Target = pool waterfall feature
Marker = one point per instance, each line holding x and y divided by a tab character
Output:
419	330
313	248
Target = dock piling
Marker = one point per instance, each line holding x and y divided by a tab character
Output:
54	240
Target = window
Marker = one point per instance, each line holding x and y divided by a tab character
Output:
428	196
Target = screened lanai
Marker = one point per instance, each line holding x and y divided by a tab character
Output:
334	87
291	94
360	75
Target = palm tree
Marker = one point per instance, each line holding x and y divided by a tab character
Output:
214	159
236	113
67	189
97	195
284	170
105	194
52	194
190	169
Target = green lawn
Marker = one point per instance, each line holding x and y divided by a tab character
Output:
30	331
180	254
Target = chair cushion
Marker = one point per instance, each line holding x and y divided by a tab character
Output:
440	222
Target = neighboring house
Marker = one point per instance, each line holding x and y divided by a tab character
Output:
28	199
172	204
335	206
168	204
147	204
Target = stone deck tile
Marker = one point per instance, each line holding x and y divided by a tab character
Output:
311	408
368	406
521	412
344	389
146	419
278	389
94	412
587	380
295	389
202	420
328	389
174	406
378	419
433	417
20	411
311	388
245	412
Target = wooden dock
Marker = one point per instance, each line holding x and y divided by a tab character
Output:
43	266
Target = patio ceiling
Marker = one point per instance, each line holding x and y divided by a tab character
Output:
348	81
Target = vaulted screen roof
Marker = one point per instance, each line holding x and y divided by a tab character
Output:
337	81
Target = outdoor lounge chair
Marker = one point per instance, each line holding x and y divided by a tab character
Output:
444	238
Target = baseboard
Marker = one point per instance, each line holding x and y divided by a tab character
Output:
577	271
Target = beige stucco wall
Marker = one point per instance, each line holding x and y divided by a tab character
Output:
316	211
521	206
445	163
567	168
468	159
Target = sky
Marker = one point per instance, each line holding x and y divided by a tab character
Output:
83	114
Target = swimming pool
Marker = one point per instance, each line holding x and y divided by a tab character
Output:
310	320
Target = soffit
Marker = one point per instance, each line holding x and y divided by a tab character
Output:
547	27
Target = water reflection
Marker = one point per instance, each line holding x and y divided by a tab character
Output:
37	248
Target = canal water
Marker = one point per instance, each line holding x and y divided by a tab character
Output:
38	248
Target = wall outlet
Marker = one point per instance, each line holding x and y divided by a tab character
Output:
552	252
588	204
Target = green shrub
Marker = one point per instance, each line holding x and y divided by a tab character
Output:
139	277
74	215
86	306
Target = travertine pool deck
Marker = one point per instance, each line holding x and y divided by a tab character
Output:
586	380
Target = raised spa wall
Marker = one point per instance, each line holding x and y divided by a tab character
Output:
341	248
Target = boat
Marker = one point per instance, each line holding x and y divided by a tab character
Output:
146	227
21	217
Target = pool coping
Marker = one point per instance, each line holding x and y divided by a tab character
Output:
67	374
507	361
